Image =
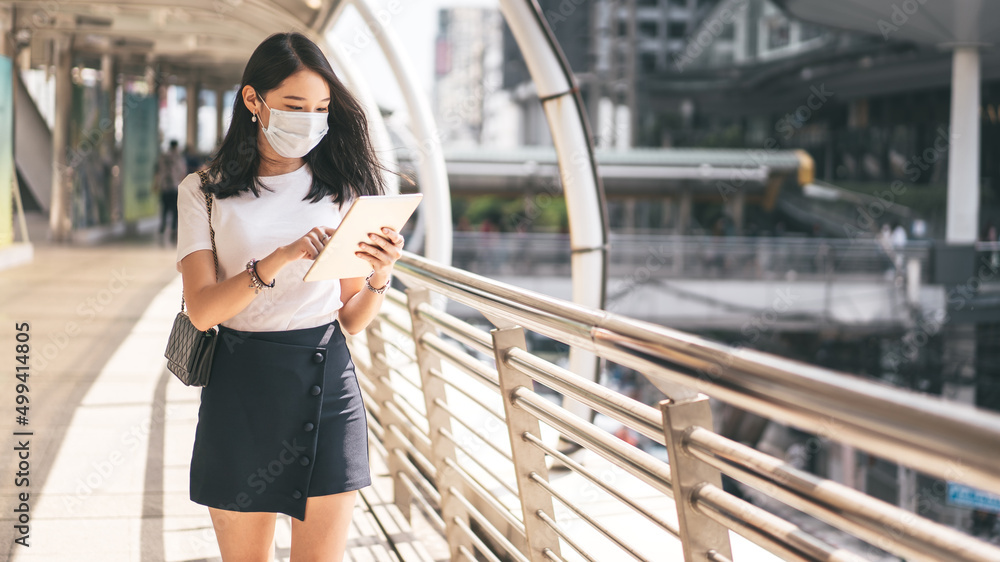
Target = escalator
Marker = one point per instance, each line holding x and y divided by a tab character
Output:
32	150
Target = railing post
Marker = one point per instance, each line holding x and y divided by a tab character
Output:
527	458
437	420
699	534
383	393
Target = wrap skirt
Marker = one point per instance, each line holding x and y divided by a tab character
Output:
281	419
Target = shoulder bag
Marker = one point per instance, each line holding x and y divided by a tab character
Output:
189	350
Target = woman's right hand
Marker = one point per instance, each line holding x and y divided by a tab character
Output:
310	245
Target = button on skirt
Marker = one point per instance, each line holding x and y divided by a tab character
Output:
281	419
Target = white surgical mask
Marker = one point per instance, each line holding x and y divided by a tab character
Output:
293	134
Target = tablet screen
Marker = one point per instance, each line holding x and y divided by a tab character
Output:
368	213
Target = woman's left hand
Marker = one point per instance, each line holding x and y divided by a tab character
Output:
382	250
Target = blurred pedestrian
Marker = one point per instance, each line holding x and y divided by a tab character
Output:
990	235
898	236
170	171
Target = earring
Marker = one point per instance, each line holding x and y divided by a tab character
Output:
254	118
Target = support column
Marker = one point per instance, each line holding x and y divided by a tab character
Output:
699	534
392	425
220	95
109	83
963	154
8	186
191	145
6	24
683	222
60	219
631	208
735	206
529	461
684	212
444	454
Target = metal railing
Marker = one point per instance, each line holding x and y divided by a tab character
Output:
687	257
468	437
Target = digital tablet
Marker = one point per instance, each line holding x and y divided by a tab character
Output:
368	213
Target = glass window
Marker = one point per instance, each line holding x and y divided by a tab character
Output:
810	31
778	33
648	62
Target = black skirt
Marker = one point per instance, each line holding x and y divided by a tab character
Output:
280	420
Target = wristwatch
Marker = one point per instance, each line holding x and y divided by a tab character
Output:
368	284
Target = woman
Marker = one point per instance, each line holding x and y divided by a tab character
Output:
281	426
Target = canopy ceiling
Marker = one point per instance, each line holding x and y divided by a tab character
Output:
947	23
207	39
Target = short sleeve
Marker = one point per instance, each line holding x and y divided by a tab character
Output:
192	218
344	206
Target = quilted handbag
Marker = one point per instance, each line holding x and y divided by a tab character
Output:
189	350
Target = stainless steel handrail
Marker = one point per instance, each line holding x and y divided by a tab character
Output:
834	503
434	452
929	433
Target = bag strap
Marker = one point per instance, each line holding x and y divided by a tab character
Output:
208	203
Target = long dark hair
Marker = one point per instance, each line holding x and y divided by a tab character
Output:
343	163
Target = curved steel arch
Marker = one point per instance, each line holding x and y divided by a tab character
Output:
563	106
582	187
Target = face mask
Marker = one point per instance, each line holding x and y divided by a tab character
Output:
293	134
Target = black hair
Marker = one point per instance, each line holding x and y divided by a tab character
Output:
173	143
343	164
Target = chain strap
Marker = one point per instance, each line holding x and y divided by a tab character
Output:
211	230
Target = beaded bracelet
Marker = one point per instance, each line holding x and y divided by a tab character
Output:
368	284
255	280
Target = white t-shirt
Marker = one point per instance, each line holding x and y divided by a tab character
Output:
250	227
